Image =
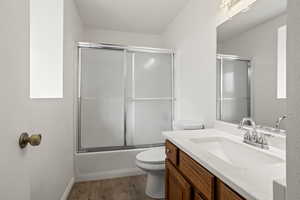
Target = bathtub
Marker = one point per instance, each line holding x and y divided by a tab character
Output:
106	165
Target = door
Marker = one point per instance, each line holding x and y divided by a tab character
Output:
177	188
14	57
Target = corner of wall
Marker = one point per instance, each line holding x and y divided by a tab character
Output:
192	34
293	87
68	189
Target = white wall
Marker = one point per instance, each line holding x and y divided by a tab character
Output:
293	127
124	38
193	36
52	164
73	30
260	44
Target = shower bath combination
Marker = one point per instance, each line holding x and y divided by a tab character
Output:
125	96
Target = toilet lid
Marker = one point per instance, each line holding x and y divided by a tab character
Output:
155	156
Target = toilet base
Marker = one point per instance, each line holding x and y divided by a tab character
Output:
155	186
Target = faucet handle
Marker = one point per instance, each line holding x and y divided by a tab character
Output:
262	139
248	136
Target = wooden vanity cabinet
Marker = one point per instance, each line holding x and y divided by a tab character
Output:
202	180
172	153
188	180
177	188
198	197
223	192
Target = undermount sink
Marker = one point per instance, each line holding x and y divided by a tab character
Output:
235	153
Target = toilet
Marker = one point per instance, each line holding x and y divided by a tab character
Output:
153	163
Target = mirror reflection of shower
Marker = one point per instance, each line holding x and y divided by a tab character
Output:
233	88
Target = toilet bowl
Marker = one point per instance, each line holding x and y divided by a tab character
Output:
153	163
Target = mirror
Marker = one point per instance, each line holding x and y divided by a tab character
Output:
251	65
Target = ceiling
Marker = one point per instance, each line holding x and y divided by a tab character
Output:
140	16
260	12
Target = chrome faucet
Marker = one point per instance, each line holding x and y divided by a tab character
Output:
278	121
246	119
253	137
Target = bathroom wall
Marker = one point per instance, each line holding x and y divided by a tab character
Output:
260	45
193	36
293	126
73	30
124	38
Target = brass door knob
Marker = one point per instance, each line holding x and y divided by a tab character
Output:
33	140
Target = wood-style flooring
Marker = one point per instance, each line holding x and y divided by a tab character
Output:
127	188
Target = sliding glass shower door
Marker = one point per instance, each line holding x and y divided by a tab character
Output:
126	97
102	98
150	97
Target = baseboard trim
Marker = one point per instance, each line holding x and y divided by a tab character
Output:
68	189
109	174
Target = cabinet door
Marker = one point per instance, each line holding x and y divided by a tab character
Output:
225	193
197	197
172	153
177	188
202	180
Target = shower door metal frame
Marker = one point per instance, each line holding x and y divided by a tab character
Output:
125	50
220	100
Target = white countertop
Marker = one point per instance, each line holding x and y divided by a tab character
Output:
253	183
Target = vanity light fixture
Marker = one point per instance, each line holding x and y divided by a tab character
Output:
246	9
228	4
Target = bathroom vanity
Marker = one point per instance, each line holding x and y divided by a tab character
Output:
216	165
188	180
